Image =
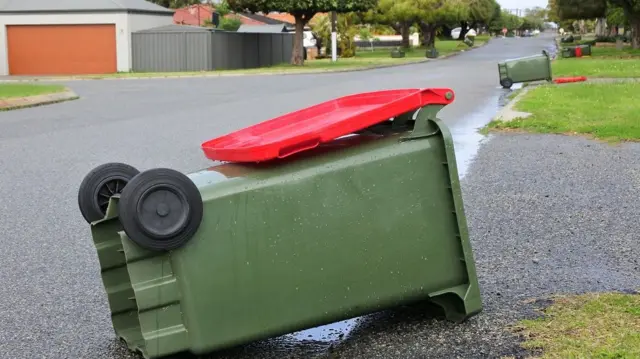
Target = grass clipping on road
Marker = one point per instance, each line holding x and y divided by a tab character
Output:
10	90
587	326
606	111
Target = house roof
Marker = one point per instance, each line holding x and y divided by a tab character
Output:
67	6
193	14
270	29
265	19
245	20
177	28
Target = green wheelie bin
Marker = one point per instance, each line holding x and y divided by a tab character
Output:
338	210
577	51
525	69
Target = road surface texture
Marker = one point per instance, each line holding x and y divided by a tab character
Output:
547	214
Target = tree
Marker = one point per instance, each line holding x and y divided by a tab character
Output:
534	18
580	9
435	13
480	12
589	9
506	20
552	11
631	9
302	11
228	21
399	14
615	19
175	4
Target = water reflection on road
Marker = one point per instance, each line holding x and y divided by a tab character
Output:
466	133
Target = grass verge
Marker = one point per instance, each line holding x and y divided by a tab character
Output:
603	62
587	326
596	67
10	90
605	111
363	60
38	104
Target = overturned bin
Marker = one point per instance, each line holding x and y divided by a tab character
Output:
525	69
577	51
335	211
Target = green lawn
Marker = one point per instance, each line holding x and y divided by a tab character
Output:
444	47
608	52
363	59
603	326
596	67
605	111
9	90
604	62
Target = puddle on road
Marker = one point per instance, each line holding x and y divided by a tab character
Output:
328	333
466	136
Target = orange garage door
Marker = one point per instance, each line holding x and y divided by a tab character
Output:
61	49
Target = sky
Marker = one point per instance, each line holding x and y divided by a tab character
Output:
521	4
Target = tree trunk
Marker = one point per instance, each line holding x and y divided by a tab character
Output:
432	37
613	31
297	57
404	31
634	22
463	30
446	31
428	34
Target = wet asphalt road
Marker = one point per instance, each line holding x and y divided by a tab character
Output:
52	304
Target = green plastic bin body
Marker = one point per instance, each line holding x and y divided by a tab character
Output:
525	69
355	226
570	51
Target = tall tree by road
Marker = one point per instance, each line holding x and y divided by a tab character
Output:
480	12
302	11
399	14
589	9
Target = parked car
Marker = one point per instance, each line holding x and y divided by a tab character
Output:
455	33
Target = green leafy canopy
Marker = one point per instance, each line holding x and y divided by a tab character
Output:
298	7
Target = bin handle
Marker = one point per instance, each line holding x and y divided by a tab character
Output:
298	147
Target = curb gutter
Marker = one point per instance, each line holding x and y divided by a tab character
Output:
507	113
38	100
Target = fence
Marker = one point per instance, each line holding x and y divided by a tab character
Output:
208	50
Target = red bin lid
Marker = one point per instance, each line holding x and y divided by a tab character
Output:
307	128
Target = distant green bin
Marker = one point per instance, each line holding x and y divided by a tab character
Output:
525	69
244	251
571	51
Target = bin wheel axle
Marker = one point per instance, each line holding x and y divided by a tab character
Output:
99	185
160	209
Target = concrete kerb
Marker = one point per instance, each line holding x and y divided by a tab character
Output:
239	74
507	113
38	100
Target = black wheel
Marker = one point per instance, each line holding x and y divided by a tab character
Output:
160	209
506	83
99	185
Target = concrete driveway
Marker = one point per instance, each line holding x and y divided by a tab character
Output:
52	303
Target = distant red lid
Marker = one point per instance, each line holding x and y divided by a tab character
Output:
307	128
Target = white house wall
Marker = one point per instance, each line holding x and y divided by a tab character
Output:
137	22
